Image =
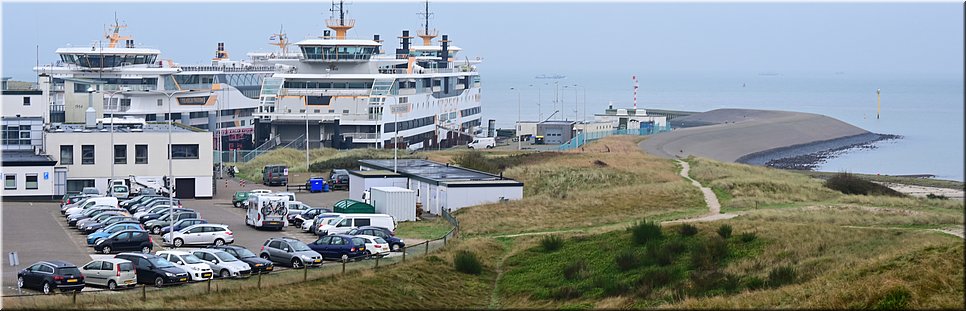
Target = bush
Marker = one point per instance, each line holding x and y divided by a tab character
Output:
656	277
566	293
575	270
660	254
747	237
724	231
474	160
896	298
645	231
709	253
752	282
781	276
466	262
850	184
610	285
627	260
551	243
937	196
687	230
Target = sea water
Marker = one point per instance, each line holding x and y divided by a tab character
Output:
926	109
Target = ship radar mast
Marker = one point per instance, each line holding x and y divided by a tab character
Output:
280	40
426	33
115	33
339	23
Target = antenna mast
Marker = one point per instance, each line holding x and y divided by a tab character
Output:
280	40
341	25
635	90
115	35
426	33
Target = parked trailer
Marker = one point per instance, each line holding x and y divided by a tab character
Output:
400	203
267	211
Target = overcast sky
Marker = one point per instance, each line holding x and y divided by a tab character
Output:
535	38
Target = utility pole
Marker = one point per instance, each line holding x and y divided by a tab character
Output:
878	97
170	94
519	127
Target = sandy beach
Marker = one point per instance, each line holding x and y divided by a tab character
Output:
734	135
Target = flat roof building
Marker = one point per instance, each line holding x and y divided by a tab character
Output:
438	186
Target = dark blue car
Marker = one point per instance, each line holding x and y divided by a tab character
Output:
340	247
395	244
106	232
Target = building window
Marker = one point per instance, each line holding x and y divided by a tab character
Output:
26	101
87	154
150	117
16	135
31	181
10	182
66	155
184	151
140	154
120	154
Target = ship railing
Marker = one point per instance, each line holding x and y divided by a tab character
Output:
361	116
228	69
402	71
361	136
128	87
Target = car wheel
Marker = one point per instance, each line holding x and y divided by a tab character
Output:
225	273
235	204
158	282
178	242
296	263
106	250
345	257
396	247
156	229
219	242
266	257
19	282
111	285
145	250
46	288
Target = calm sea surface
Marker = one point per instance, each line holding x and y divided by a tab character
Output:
926	109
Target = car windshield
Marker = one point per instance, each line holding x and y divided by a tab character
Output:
226	257
160	262
191	259
298	246
68	270
244	253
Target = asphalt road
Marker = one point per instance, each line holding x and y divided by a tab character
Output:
37	231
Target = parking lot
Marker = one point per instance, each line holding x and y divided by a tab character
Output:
37	231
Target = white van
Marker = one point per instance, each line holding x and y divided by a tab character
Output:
90	202
290	195
482	142
346	222
267	211
120	191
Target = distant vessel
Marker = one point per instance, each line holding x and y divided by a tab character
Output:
553	76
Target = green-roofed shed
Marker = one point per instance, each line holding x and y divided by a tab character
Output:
350	206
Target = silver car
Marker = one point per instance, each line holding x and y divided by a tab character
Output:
291	252
111	272
222	263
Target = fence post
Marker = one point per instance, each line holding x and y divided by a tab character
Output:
343	267
427	249
74	299
144	292
444	238
404	253
259	280
209	285
377	262
305	273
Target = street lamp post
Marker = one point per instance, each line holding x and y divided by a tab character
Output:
519	116
584	89
170	94
110	101
539	113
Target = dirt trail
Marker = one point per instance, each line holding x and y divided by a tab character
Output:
714	207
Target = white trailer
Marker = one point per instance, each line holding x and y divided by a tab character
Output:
267	211
400	203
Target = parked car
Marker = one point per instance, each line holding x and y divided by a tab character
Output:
128	204
119	191
223	264
276	174
210	234
482	143
110	272
196	268
96	211
127	240
92	201
296	219
257	264
98	216
91	227
160	201
152	269
319	220
347	222
260	191
155	225
339	179
105	232
239	199
49	275
375	246
340	246
158	209
291	252
184	223
395	244
163	213
90	190
66	198
77	202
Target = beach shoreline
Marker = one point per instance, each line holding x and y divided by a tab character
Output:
809	156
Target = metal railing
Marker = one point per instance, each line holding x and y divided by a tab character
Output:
360	136
129	87
584	137
228	69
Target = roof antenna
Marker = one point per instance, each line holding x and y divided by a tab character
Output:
426	33
341	25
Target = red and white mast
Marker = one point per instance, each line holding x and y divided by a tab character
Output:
635	90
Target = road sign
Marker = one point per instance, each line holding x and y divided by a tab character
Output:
46	175
14	259
399	108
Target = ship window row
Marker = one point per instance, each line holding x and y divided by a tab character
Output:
247	79
107	60
470	111
409	124
470	124
338	52
326	85
448	116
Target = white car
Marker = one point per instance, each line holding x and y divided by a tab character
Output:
260	191
375	246
222	263
307	225
198	269
200	234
